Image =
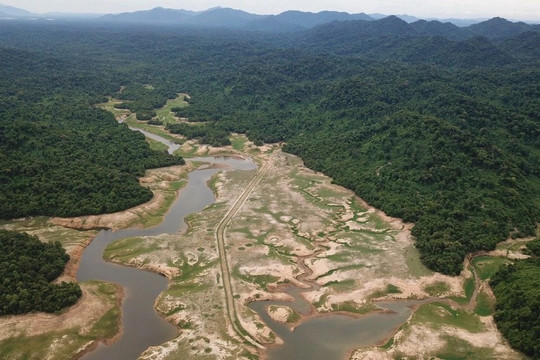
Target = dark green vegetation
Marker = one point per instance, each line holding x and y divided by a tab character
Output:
59	156
517	289
27	267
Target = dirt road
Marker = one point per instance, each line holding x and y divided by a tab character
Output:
225	272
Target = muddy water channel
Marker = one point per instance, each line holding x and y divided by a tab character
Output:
331	337
142	326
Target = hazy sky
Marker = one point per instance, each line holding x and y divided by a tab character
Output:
510	9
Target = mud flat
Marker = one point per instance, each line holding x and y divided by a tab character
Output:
356	256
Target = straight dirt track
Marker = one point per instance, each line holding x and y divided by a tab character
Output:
225	272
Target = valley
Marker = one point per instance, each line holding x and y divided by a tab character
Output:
273	233
360	189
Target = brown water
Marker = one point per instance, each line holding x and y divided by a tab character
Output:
142	326
332	337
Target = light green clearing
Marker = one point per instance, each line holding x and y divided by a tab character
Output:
459	349
390	289
165	114
125	249
468	288
238	142
440	314
487	266
154	217
352	307
485	306
437	289
156	145
416	268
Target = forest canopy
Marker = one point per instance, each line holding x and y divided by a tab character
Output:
517	289
27	267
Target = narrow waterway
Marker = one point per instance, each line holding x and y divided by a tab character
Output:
332	337
142	326
172	147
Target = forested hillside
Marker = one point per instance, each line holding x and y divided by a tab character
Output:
440	131
517	288
58	155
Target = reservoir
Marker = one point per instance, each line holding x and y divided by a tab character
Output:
325	337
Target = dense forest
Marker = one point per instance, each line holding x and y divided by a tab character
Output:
430	125
27	267
517	289
58	155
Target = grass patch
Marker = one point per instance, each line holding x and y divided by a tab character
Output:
260	280
487	266
353	307
187	287
329	193
390	289
108	325
388	344
393	289
126	249
437	289
344	268
343	257
469	287
356	206
293	317
33	347
238	142
192	152
343	285
416	268
439	314
165	114
485	306
459	349
156	145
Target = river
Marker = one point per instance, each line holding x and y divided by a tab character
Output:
142	326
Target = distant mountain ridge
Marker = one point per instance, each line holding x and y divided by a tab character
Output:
494	42
291	21
10	11
288	21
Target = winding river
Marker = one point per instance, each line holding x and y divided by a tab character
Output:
142	326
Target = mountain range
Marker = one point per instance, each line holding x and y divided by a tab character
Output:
288	21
